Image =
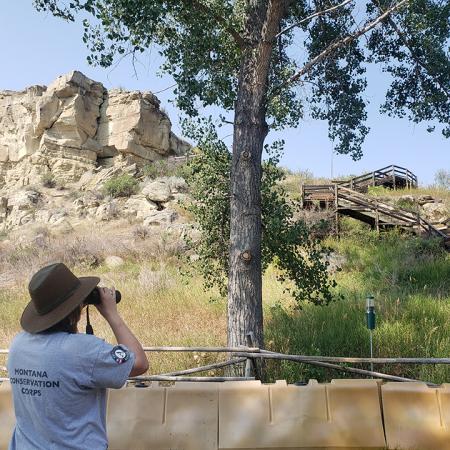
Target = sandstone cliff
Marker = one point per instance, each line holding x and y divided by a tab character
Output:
75	125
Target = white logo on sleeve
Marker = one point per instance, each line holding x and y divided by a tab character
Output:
120	354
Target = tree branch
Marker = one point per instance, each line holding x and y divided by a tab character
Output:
342	42
312	16
240	41
407	44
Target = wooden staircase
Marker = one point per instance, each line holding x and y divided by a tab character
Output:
352	202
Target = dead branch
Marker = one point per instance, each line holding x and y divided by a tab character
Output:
341	43
312	16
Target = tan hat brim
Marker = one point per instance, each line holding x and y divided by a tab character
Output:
32	322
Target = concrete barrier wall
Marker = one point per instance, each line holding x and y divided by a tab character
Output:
343	414
7	418
416	416
183	416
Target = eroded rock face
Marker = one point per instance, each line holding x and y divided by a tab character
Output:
75	124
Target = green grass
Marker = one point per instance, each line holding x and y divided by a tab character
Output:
410	279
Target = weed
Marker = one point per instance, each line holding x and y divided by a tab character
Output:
140	232
121	186
163	168
48	180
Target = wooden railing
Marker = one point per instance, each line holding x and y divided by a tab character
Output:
392	174
253	355
405	217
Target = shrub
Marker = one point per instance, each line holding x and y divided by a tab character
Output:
409	205
156	169
48	180
165	169
121	186
140	232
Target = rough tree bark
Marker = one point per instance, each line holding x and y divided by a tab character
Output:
250	130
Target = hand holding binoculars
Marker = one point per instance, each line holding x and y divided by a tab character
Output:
94	297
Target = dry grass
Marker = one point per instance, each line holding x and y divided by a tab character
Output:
21	256
294	179
437	193
160	304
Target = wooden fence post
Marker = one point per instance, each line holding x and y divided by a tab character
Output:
251	366
336	207
377	218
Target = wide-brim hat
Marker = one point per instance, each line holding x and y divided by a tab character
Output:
55	292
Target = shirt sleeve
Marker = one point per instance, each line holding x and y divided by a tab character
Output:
112	366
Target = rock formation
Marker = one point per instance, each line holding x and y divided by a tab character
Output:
75	125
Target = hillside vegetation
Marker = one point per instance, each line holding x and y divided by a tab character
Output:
409	277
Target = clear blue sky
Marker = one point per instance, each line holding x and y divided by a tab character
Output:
36	48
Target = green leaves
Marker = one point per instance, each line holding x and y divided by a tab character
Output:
413	48
286	242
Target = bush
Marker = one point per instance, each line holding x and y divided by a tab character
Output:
140	232
156	169
48	180
165	169
121	186
408	205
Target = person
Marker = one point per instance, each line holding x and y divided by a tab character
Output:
59	377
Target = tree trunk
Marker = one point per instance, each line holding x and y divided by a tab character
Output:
250	129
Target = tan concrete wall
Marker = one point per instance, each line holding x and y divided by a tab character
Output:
7	418
343	414
416	416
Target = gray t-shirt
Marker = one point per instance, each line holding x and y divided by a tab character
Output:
59	383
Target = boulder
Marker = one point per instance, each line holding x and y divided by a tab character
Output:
422	199
56	217
157	191
165	217
23	200
107	211
178	185
139	206
114	261
18	217
435	212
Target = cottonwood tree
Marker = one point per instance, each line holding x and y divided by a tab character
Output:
270	62
287	242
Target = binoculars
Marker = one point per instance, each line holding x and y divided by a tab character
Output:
94	297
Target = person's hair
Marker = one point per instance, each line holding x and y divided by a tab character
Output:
68	324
